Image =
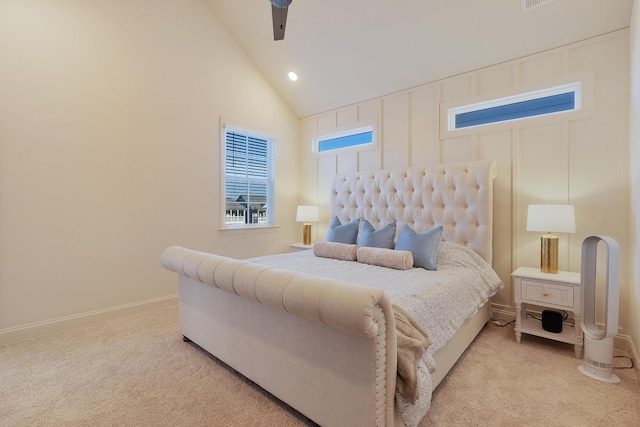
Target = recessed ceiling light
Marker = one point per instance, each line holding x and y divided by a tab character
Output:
293	76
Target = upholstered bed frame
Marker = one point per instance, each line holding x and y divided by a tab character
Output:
325	347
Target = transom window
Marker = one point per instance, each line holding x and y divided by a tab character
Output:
249	176
541	102
362	137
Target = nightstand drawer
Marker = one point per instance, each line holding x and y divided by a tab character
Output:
547	293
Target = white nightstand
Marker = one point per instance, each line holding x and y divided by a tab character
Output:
299	247
558	291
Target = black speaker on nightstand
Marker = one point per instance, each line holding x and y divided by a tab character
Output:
552	321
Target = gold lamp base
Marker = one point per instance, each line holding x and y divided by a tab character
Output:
306	234
549	254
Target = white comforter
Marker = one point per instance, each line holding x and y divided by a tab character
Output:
440	301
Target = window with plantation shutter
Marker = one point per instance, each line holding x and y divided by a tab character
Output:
248	174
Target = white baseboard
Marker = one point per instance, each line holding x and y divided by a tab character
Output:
498	313
634	354
625	344
32	330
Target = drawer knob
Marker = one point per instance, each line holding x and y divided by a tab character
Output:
545	294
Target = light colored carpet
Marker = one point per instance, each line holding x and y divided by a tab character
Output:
137	371
498	382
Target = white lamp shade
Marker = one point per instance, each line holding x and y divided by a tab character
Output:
307	214
551	218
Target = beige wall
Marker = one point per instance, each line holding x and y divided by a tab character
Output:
578	157
634	156
109	153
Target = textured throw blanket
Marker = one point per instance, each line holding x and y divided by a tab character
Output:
412	342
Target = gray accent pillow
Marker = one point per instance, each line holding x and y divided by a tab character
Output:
423	246
347	233
382	238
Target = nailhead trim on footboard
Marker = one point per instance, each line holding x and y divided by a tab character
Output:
381	366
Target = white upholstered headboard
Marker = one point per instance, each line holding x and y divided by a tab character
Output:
458	196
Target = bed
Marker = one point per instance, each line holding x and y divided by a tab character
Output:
319	333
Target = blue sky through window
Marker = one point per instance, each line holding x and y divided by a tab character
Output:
517	110
346	141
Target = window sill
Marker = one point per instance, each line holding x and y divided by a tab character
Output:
270	228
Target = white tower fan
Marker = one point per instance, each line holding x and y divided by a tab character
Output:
598	344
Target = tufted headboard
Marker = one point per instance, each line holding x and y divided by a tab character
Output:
458	196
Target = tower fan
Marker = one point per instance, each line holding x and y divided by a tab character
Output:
598	344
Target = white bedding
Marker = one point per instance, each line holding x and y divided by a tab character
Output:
440	301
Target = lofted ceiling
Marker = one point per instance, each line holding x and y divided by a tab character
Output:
347	51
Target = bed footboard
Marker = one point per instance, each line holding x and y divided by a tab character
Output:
327	348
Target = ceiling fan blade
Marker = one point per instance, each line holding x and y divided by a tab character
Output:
279	15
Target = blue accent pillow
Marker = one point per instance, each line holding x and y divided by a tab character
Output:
347	233
382	238
423	247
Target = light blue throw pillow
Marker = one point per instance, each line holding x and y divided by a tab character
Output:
382	238
347	233
423	247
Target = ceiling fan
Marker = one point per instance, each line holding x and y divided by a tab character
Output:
279	14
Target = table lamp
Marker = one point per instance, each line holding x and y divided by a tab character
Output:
307	214
550	218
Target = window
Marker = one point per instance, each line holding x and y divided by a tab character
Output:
531	104
248	178
360	137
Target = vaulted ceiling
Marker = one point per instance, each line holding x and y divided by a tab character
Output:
347	51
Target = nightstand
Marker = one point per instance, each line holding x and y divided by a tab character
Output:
557	291
299	247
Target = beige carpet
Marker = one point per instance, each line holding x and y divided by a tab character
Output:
498	382
136	371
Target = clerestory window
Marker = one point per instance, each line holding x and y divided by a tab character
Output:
541	102
362	137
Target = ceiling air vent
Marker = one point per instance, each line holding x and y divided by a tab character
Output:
527	5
